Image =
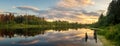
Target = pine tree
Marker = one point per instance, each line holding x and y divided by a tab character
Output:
113	16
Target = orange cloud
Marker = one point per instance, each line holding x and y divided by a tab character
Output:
88	19
83	18
74	3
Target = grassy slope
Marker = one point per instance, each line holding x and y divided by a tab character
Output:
101	36
105	41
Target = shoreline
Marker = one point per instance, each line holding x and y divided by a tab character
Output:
104	41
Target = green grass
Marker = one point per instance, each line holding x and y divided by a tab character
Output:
105	41
101	35
19	26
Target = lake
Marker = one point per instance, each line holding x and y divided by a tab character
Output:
43	37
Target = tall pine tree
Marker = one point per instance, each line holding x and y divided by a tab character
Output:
113	14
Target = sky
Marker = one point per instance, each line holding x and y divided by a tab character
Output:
81	11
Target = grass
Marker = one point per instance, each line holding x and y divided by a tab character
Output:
102	38
19	26
105	41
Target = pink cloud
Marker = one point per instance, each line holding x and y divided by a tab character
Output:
75	3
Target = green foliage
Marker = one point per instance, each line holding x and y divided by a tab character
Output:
19	19
113	33
112	17
110	23
31	21
102	20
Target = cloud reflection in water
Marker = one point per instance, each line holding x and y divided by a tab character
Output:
71	37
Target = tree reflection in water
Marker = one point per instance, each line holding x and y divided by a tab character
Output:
9	33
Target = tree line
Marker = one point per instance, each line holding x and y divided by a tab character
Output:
7	20
11	18
110	23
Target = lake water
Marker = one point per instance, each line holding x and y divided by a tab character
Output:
41	37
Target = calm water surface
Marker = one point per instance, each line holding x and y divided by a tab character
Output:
37	37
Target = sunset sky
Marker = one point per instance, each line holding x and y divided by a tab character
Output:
82	11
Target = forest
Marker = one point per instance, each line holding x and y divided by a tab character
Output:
31	21
110	23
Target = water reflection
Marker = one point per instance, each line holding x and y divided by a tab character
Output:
20	32
25	32
38	37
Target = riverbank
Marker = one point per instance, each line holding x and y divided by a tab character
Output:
104	41
102	38
22	26
18	26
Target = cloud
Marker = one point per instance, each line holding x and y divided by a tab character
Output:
74	3
1	11
90	13
81	16
1	38
27	8
26	42
68	10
